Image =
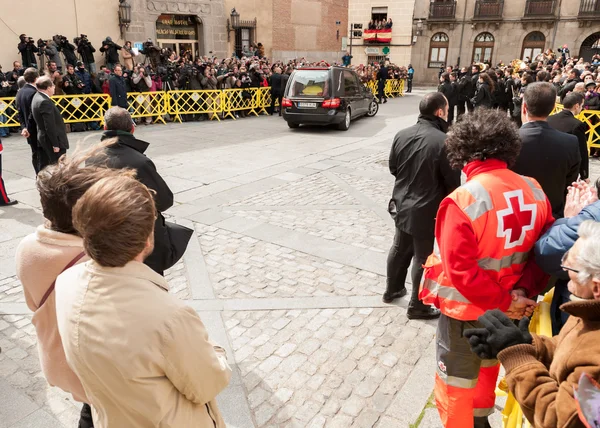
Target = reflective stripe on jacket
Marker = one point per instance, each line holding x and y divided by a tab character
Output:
507	213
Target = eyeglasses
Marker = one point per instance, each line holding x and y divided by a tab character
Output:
564	267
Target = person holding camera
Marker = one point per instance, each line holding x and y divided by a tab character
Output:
72	85
66	48
111	53
54	74
86	50
28	49
142	82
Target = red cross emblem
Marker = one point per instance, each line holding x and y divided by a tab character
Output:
442	366
516	220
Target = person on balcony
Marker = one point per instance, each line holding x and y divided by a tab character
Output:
371	25
389	24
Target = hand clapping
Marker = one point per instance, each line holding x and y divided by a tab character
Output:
580	194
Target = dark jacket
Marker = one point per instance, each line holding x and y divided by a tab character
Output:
111	52
169	241
72	85
552	158
86	50
27	54
447	89
465	88
569	86
118	91
24	100
564	121
51	131
276	80
85	78
423	176
483	96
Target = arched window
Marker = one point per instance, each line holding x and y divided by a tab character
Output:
483	48
438	50
533	45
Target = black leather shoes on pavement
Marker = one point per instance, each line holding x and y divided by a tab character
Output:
390	297
12	202
423	314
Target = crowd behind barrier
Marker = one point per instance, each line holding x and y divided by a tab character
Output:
157	106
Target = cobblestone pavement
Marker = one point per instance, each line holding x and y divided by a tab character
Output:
286	270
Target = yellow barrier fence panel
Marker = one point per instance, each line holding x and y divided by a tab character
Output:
148	104
372	86
263	100
592	119
9	115
541	324
83	108
240	99
195	102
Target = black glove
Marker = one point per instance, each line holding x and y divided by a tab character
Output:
477	338
501	332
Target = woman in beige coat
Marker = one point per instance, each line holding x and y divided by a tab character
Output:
128	56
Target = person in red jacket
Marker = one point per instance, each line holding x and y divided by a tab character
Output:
485	231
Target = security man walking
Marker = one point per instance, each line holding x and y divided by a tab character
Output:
484	233
382	76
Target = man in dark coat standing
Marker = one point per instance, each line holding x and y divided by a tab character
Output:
28	126
27	48
566	121
276	93
111	51
170	240
382	76
423	178
550	156
51	131
117	88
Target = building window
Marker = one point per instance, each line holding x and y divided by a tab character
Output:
438	50
379	14
376	59
483	48
243	41
533	45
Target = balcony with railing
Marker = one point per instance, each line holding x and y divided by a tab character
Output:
540	8
589	9
442	10
488	9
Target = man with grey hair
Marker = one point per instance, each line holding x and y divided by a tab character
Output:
128	152
542	372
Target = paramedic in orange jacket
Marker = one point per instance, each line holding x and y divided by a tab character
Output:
485	231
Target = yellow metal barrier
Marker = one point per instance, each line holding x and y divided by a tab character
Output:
393	87
263	100
9	115
82	108
541	324
148	104
241	99
592	119
195	102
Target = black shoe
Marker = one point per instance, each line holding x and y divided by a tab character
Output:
389	297
384	101
13	202
430	313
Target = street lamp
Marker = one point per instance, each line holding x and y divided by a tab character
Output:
419	27
233	23
124	15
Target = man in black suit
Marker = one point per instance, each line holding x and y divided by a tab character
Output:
550	156
28	127
51	132
382	76
566	121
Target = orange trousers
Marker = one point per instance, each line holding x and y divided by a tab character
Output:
464	384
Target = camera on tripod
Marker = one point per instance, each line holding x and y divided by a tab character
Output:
41	44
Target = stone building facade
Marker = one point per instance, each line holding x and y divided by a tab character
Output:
292	28
466	31
399	49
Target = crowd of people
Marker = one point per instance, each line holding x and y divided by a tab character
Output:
380	24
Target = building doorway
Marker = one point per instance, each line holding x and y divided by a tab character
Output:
181	34
533	45
590	47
